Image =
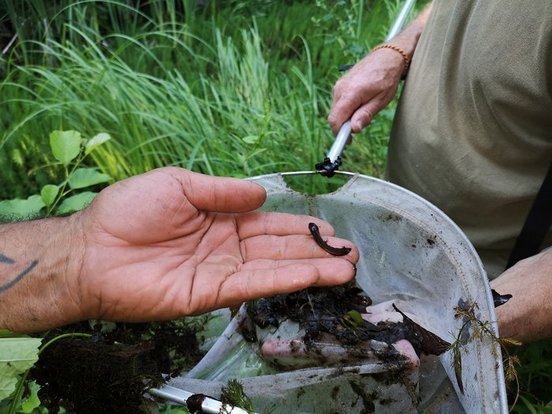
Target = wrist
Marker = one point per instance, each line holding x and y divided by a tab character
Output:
73	264
405	42
526	316
405	57
41	278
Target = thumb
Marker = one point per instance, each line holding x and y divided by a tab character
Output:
221	194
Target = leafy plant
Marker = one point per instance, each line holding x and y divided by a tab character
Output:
234	395
17	355
69	149
200	93
535	377
20	353
474	328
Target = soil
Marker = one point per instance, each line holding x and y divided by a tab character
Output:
336	311
111	370
317	310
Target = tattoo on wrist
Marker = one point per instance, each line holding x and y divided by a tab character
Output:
5	260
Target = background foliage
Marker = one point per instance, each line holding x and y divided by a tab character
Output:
218	89
237	88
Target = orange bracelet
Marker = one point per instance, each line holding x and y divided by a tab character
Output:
405	57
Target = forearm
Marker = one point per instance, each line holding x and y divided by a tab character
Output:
527	316
408	38
39	267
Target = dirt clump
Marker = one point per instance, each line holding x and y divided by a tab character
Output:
336	311
111	370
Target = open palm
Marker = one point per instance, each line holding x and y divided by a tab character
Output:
171	243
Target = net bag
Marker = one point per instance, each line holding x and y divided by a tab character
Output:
410	253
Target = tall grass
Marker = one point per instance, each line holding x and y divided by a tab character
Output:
219	92
230	122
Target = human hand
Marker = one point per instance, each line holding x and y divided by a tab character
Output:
171	243
381	337
411	328
372	83
295	353
366	89
526	315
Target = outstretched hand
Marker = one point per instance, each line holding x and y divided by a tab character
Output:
171	243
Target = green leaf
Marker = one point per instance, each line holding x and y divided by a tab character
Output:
76	202
18	209
17	158
96	141
32	401
84	177
251	139
457	357
355	316
16	356
528	405
49	193
65	145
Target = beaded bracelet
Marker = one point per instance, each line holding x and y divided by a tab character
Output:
405	57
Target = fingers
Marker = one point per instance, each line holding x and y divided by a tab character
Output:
281	273
344	104
361	107
382	312
278	224
274	348
406	349
266	281
351	92
386	312
361	118
366	113
292	247
263	278
295	353
359	104
219	194
385	316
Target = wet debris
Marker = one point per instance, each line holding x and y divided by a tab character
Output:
111	370
331	322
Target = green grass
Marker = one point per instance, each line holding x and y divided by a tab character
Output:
219	92
535	376
241	89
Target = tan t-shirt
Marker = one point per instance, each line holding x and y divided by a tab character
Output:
473	130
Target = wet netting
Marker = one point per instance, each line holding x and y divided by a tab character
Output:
304	353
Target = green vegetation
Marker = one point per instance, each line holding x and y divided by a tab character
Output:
234	395
241	90
535	378
17	356
237	88
70	150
